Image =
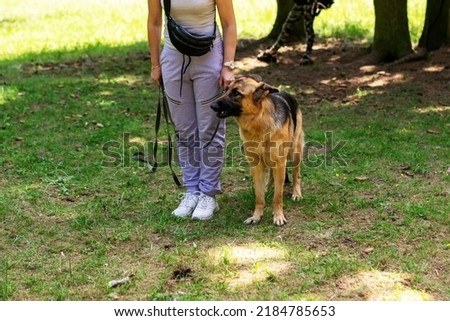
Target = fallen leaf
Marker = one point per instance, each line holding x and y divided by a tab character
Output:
361	178
368	250
407	173
114	283
433	131
406	281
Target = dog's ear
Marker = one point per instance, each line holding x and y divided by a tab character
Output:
262	91
256	77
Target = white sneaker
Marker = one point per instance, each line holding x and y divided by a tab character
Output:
206	207
187	205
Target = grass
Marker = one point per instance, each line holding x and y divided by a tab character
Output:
355	20
77	211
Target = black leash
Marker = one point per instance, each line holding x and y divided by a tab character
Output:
213	135
215	130
163	109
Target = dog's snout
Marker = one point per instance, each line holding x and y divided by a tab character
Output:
215	105
226	107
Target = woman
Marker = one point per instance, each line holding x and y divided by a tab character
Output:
191	84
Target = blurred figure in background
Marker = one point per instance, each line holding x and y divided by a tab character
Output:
308	9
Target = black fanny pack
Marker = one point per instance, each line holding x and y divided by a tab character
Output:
187	43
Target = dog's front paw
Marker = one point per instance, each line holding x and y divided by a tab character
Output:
279	221
252	220
296	197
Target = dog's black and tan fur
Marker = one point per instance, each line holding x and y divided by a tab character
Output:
270	126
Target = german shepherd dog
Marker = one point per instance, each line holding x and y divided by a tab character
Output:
270	126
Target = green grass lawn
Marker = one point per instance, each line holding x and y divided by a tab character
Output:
77	211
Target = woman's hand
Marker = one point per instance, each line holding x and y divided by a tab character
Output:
228	22
156	74
226	77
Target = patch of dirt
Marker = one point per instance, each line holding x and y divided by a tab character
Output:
340	70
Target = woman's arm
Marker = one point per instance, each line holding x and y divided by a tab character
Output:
228	22
154	28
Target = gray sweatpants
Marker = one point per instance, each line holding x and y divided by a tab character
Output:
191	86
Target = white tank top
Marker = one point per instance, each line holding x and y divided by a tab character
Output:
197	16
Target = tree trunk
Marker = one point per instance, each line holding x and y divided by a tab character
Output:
436	30
448	29
391	38
283	8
